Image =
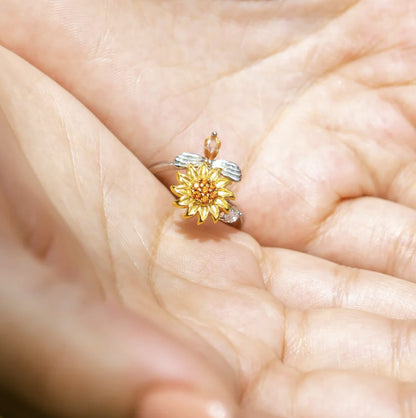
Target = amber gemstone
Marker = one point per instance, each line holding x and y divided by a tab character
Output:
212	146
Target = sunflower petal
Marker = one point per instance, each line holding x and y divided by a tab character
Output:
176	204
183	179
203	214
222	203
180	190
192	210
214	175
226	193
215	212
203	171
185	201
191	172
222	182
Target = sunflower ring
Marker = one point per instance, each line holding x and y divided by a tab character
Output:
203	189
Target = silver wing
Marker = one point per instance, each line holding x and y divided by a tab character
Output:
228	169
182	160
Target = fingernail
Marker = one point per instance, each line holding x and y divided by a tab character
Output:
170	403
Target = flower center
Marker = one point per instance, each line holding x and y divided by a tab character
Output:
204	192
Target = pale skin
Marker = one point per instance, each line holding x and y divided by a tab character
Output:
112	304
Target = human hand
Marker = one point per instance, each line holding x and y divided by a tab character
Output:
312	147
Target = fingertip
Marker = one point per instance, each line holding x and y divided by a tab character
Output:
172	402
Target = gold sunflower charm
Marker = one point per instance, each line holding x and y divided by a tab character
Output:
202	191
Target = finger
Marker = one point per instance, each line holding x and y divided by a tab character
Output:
94	359
329	394
96	184
303	281
376	235
350	340
28	218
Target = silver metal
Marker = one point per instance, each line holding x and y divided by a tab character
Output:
228	168
182	160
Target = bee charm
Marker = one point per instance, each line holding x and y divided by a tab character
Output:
203	189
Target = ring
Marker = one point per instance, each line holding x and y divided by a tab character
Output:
203	188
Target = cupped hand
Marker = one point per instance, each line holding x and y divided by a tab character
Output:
315	102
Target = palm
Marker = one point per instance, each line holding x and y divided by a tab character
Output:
317	118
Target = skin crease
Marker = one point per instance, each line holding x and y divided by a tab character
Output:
310	313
